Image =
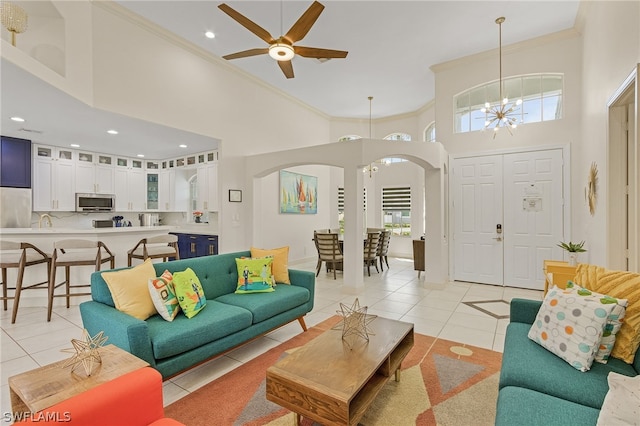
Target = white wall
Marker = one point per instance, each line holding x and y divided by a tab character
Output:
609	56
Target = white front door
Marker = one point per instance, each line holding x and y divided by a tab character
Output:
477	205
533	215
508	214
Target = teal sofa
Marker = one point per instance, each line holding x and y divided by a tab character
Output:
227	321
539	388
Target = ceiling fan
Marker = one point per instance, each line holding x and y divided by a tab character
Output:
282	48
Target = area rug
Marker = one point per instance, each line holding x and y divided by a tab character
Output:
442	383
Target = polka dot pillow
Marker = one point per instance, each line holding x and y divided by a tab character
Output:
614	320
570	326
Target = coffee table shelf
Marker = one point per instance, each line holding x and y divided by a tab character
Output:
334	383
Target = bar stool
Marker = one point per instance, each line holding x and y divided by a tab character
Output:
161	246
70	253
20	256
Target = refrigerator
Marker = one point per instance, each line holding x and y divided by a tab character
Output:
15	207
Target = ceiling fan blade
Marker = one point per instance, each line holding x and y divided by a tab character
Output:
287	68
314	52
247	23
304	23
247	53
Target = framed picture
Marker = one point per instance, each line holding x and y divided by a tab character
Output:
235	195
298	193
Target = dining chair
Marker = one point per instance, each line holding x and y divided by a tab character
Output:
371	251
383	247
158	247
329	251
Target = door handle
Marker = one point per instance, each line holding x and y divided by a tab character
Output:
497	238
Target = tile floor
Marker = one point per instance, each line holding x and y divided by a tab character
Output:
445	311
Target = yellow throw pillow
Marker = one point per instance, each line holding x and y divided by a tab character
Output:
587	275
622	285
280	262
130	291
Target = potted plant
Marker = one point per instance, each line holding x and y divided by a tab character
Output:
573	249
196	216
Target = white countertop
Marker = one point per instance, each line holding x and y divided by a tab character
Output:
114	230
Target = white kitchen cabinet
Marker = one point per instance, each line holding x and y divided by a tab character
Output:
174	190
53	179
208	187
129	185
95	173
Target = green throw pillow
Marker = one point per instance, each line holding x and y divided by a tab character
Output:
189	292
254	275
164	296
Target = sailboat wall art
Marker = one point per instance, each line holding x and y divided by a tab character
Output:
298	193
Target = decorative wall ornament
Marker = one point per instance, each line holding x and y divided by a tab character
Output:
85	352
355	320
592	188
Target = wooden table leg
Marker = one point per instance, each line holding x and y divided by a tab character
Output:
398	375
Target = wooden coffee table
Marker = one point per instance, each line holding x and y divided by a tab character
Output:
334	383
43	387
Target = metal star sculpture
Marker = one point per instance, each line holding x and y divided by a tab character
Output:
355	320
85	351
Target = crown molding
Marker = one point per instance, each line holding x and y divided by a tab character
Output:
509	49
133	18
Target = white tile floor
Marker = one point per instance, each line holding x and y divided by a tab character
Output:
396	293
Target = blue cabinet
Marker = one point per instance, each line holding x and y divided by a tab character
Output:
196	245
15	162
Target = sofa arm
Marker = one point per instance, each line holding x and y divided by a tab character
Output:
304	279
524	310
123	330
134	399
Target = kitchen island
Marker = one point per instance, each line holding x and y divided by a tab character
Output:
118	239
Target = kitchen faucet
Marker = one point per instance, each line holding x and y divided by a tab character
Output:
48	218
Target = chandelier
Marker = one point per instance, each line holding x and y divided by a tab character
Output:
503	113
13	18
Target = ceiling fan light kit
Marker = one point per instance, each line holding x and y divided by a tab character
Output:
282	49
281	52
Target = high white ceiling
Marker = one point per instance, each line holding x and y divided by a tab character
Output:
391	46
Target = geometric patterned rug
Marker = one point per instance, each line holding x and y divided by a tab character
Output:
442	383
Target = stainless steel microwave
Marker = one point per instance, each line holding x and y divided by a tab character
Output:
95	203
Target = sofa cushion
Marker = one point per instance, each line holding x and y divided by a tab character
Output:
520	406
182	334
267	305
280	261
163	295
527	364
614	320
130	291
623	285
254	275
189	292
571	326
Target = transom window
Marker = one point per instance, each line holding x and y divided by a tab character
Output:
396	137
349	138
541	96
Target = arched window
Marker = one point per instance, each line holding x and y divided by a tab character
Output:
541	96
349	138
396	137
430	132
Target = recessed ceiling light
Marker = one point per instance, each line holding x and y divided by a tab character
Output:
209	34
18	119
74	145
141	155
182	145
112	132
